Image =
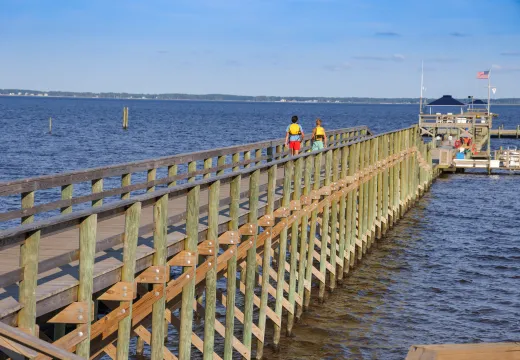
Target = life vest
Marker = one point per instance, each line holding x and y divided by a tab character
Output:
320	133
294	129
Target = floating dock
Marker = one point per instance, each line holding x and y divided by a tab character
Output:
152	257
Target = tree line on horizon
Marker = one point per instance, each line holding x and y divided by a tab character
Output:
227	97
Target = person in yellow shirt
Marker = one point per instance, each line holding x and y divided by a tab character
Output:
319	137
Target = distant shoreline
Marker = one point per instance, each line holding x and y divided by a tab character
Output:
20	93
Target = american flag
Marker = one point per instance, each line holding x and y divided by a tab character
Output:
483	75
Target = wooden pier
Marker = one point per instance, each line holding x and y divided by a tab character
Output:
243	236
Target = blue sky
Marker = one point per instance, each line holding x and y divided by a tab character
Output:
261	47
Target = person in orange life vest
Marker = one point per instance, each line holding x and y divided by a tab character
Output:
294	136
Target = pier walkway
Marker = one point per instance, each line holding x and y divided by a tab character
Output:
268	228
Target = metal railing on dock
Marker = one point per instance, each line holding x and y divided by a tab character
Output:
273	225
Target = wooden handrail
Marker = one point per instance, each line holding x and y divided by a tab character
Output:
30	186
32	342
14	236
48	181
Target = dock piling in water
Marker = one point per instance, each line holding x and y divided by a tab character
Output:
125	118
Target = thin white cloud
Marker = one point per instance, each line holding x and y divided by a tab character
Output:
394	57
338	67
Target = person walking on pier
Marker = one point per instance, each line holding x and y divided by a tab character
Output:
319	138
294	136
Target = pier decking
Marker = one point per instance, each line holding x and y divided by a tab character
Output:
249	217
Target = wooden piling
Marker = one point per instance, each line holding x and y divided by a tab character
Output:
87	250
282	251
325	229
211	276
334	221
296	195
234	209
125	118
132	220
316	161
251	259
305	245
266	262
29	263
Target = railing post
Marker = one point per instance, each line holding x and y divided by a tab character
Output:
306	246
391	180
29	263
132	219
294	244
316	161
379	187
87	250
150	176
211	276
282	251
342	217
266	263
66	194
234	209
160	217
258	155
334	221
251	259
247	156
192	167
325	229
350	241
385	180
97	186
370	203
172	171
361	200
126	180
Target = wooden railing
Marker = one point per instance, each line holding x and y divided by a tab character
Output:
349	195
20	200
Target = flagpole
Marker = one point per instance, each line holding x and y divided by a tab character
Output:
422	87
489	91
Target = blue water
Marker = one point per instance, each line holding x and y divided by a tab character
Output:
449	272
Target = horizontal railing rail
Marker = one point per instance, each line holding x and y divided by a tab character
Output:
130	179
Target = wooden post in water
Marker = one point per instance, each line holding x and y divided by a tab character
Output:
50	125
125	118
